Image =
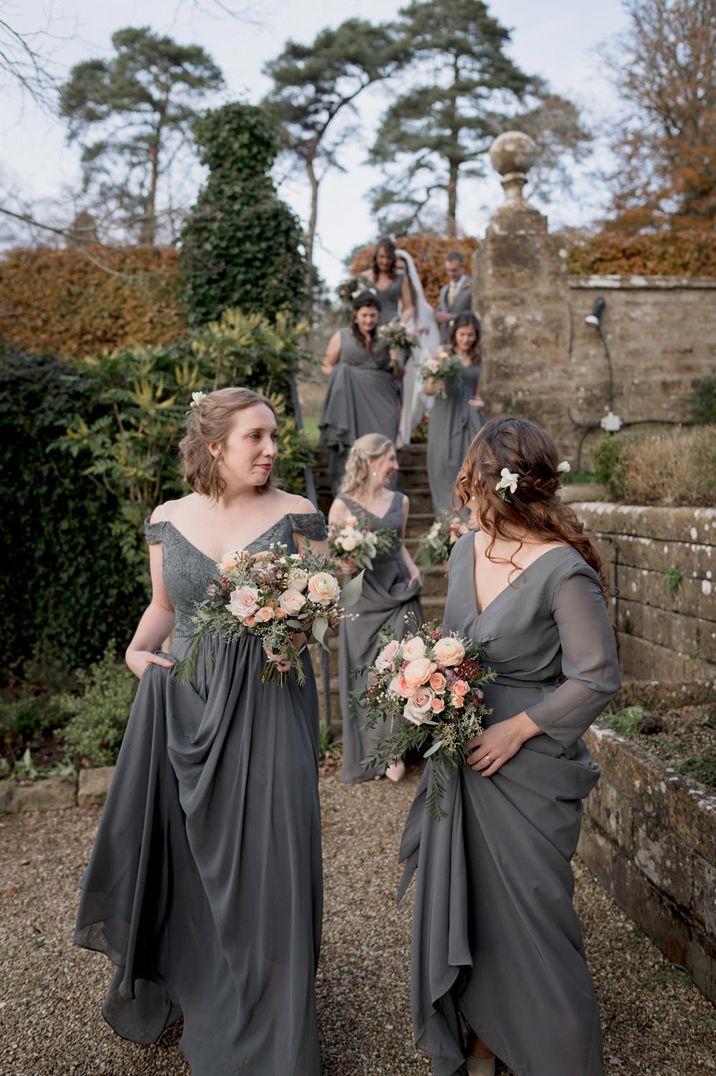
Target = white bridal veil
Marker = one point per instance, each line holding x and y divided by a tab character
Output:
415	402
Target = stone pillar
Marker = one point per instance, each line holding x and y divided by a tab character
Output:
520	293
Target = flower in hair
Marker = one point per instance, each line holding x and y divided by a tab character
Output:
196	398
508	481
564	467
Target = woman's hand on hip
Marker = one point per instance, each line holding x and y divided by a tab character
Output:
496	745
137	661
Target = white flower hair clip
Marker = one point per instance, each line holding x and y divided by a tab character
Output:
564	467
196	398
508	481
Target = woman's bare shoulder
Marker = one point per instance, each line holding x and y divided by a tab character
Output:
293	503
171	511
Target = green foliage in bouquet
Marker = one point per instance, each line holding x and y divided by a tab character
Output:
435	545
98	717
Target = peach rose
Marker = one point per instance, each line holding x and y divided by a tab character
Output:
398	686
243	602
448	651
291	601
438	705
418	672
323	589
438	682
280	614
418	708
250	621
263	615
262	555
386	658
458	701
413	648
229	562
460	687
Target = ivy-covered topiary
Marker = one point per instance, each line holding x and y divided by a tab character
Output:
241	245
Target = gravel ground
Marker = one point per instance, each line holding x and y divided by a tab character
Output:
656	1023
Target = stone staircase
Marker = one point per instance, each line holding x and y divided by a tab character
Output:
412	480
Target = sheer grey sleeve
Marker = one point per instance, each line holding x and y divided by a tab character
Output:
589	661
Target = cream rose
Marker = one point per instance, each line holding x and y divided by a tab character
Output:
323	589
348	542
264	614
243	602
458	701
228	562
460	687
413	648
438	682
298	579
291	602
418	672
386	658
448	651
418	708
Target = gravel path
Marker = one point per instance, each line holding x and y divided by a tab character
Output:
656	1023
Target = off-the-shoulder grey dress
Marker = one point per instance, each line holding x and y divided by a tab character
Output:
453	424
496	939
205	886
386	599
361	398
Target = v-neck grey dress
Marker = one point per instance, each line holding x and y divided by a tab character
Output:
389	298
452	427
205	886
386	600
496	939
362	398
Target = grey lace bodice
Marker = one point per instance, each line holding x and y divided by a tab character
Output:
391	521
187	572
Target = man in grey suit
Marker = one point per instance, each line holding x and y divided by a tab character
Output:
455	296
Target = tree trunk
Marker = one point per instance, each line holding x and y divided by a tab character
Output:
311	230
148	231
452	200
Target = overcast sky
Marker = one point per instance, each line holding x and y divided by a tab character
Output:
553	38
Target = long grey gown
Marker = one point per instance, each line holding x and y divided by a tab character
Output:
453	424
205	885
361	398
495	938
389	298
385	600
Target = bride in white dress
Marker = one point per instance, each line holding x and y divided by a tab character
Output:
415	402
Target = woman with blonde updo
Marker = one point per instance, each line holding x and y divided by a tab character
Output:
215	796
496	941
390	589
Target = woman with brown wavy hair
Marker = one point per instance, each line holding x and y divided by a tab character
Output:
496	941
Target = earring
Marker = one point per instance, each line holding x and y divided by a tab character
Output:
374	473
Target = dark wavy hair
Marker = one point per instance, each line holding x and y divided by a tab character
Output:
527	450
366	298
462	321
384	243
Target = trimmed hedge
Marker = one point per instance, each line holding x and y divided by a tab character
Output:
688	253
81	301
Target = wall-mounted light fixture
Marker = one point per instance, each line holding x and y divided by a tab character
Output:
595	318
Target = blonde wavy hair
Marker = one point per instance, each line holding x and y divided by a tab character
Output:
210	422
369	447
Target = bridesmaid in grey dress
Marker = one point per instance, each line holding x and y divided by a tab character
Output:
456	418
496	941
392	287
362	394
390	590
204	887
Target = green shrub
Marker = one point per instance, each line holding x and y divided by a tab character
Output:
625	721
608	464
703	402
677	467
98	717
28	718
700	767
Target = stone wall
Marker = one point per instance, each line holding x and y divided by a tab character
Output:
650	839
666	633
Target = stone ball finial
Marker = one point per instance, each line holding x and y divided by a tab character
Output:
512	154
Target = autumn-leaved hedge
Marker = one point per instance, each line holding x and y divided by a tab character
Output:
84	300
428	252
687	253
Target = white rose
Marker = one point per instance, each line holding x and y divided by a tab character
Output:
298	579
413	648
243	602
349	543
323	589
386	658
291	601
418	708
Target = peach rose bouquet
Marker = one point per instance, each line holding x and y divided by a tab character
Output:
356	542
429	686
435	545
275	595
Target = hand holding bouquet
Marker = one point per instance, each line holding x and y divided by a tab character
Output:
276	595
399	339
429	686
445	368
435	545
357	543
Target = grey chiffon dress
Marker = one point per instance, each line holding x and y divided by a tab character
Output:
496	941
389	298
452	427
361	398
386	599
205	887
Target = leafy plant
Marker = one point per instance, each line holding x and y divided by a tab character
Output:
98	717
703	402
625	721
673	579
608	464
699	767
241	245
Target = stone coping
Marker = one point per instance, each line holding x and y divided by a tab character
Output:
640	282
